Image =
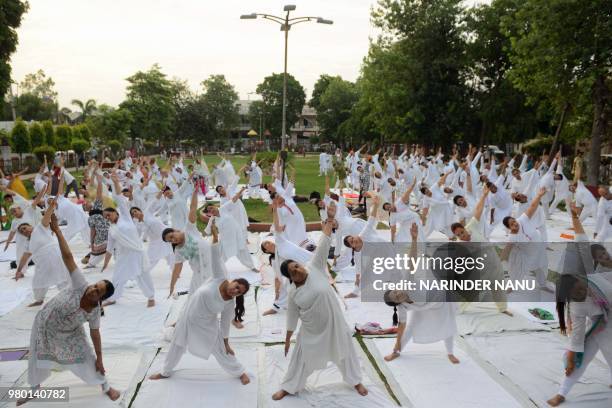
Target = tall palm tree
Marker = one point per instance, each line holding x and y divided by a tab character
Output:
63	115
86	108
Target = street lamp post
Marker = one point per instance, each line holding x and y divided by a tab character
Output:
285	24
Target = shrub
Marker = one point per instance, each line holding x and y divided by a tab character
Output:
21	138
114	145
37	135
49	133
45	150
63	135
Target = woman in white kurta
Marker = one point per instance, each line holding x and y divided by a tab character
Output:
233	236
199	330
526	251
73	214
586	296
189	246
324	335
44	252
151	229
58	337
124	241
280	249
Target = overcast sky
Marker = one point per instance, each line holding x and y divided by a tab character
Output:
90	47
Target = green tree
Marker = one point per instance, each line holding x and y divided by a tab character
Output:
335	107
63	135
87	108
219	99
31	107
40	85
319	88
110	124
413	77
559	50
37	135
21	138
83	132
257	115
149	101
11	13
49	133
498	105
271	91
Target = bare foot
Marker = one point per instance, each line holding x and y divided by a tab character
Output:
237	324
392	356
453	359
361	390
113	394
270	312
157	376
279	395
507	312
244	379
85	260
150	302
556	400
37	303
351	295
255	270
109	303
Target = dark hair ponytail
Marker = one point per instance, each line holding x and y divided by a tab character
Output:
239	308
564	287
271	255
389	302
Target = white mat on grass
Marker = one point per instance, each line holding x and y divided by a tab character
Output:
533	363
424	377
132	322
484	319
202	383
12	373
11	298
124	369
324	388
8	255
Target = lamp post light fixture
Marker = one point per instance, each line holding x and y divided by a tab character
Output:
286	23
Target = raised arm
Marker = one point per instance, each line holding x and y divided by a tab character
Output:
481	203
46	220
64	248
193	207
406	196
535	203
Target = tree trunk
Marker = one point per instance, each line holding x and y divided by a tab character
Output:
598	132
559	128
482	134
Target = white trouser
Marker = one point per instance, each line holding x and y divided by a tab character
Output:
244	256
145	283
557	201
40	293
85	371
281	302
227	361
598	341
94	260
590	211
297	372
